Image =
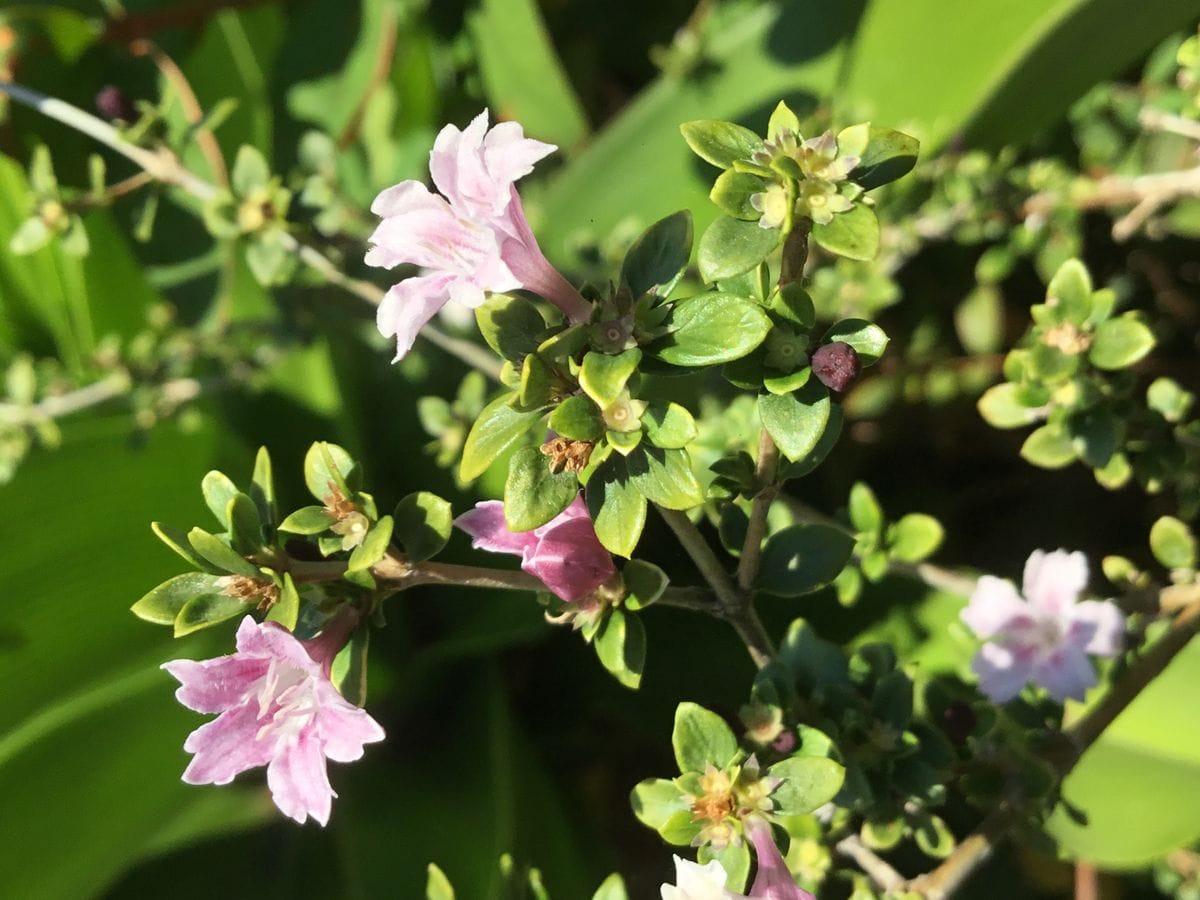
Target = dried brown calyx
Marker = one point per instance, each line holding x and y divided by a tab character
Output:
261	591
567	455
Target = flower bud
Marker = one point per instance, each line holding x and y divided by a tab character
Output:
836	365
113	105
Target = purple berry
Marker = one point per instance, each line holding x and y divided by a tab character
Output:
836	365
113	105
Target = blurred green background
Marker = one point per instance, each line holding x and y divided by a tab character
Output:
503	732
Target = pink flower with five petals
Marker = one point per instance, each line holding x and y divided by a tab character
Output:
277	708
1046	635
469	240
564	554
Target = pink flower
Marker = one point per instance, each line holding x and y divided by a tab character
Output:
277	708
471	239
1045	636
772	882
564	554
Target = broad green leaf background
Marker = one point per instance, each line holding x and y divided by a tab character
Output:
482	757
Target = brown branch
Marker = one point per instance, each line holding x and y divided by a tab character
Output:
885	877
184	15
389	32
192	110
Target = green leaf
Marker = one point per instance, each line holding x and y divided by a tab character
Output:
782	121
326	466
498	427
731	246
889	155
892	700
1070	290
521	72
1001	407
308	520
734	859
865	513
618	509
979	320
808	783
178	541
853	234
218	490
644	583
512	325
533	494
31	237
882	835
1173	544
162	605
801	559
423	522
349	670
612	888
656	800
603	377
220	554
933	836
914	538
669	425
701	739
373	548
437	885
624	442
796	421
709	329
665	477
829	438
250	171
262	487
245	528
578	419
1049	447
206	610
621	647
1168	399
720	143
286	610
1119	343
659	254
732	193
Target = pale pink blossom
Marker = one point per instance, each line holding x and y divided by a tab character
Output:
469	240
1046	635
278	708
564	554
773	880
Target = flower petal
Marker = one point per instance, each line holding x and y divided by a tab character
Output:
271	640
408	306
570	560
226	747
993	607
1068	673
343	728
215	685
1053	581
488	530
774	880
698	882
1001	672
405	197
299	781
1099	626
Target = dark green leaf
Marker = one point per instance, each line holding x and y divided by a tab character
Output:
511	325
422	527
853	234
533	494
308	520
665	477
701	739
206	610
803	558
162	605
498	427
286	610
577	418
644	583
731	246
618	509
709	329
659	254
621	647
889	155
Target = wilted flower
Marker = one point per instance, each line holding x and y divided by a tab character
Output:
277	708
472	238
564	554
773	880
1046	636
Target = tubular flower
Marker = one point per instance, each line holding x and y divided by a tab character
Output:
564	554
1046	635
471	239
278	708
772	882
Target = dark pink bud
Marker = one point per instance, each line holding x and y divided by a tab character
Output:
958	721
836	365
112	104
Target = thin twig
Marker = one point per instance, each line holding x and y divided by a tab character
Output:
737	611
192	110
165	167
1157	120
756	529
884	876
